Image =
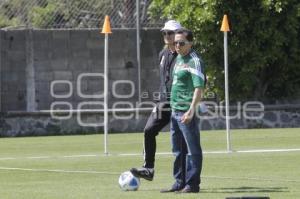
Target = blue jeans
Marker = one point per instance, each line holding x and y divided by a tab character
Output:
187	151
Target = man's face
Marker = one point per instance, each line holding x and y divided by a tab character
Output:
182	46
168	37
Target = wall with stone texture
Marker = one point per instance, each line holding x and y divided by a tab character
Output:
31	124
276	116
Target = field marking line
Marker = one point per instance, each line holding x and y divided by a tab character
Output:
79	156
118	173
158	153
267	150
38	157
224	152
7	158
252	178
53	157
59	170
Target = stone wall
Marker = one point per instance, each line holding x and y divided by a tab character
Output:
273	116
40	124
32	124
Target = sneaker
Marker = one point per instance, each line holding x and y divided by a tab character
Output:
169	190
189	189
146	173
174	188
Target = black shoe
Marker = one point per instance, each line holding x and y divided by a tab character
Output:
169	190
174	188
189	189
146	173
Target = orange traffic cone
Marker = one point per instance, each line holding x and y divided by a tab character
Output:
106	26
225	25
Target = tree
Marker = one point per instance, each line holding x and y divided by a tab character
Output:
264	54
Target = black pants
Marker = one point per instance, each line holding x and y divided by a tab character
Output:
156	122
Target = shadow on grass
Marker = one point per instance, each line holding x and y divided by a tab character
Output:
246	190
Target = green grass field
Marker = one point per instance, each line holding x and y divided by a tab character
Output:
64	167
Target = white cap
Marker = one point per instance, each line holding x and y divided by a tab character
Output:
171	25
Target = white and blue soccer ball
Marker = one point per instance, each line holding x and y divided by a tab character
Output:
128	182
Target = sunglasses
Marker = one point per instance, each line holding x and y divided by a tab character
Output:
181	43
168	33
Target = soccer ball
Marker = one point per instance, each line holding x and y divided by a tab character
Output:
128	182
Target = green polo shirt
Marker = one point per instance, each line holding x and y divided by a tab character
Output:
188	74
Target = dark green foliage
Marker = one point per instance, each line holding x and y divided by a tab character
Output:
264	54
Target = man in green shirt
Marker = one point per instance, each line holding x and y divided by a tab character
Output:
187	89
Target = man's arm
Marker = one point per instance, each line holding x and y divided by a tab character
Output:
187	117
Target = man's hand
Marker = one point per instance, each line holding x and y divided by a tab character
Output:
187	116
